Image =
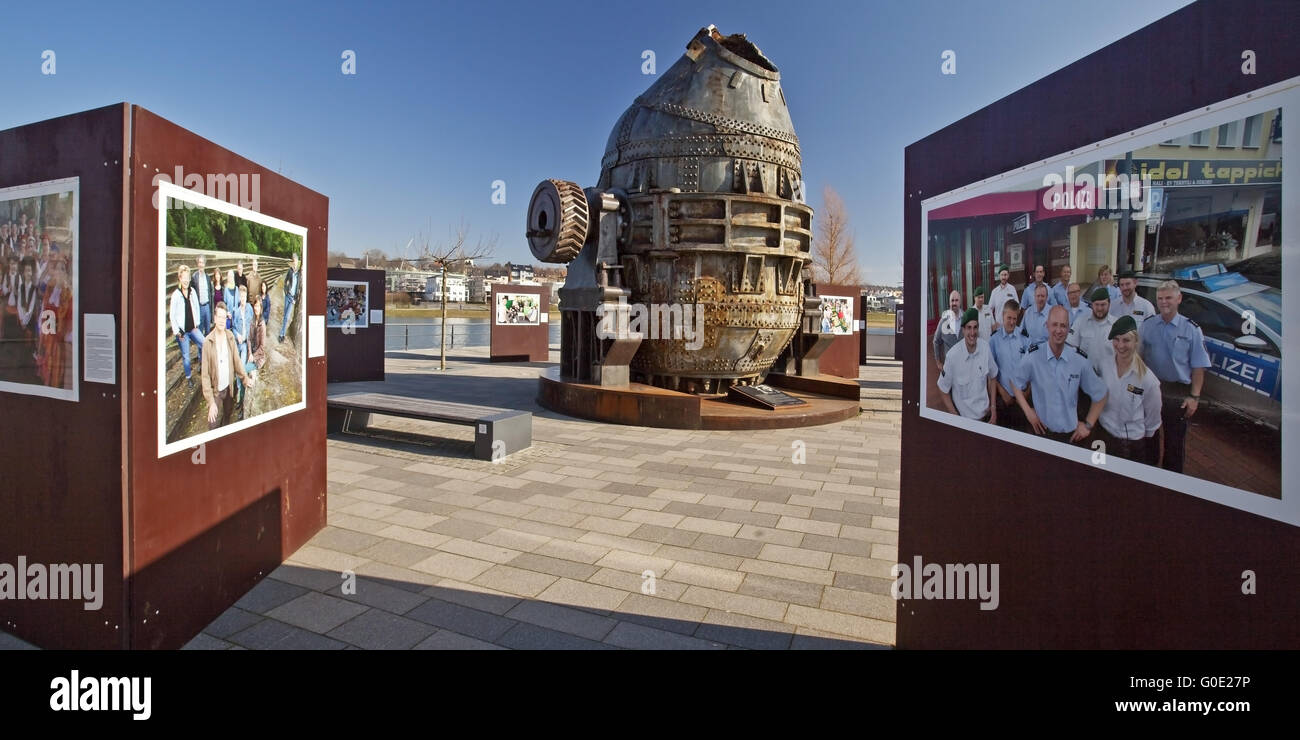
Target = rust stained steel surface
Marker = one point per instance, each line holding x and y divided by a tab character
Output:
61	470
735	238
205	533
700	204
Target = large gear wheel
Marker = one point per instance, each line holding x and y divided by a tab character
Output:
557	221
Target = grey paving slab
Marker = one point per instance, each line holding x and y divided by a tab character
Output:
642	637
728	545
270	634
268	594
661	613
745	631
316	612
314	579
533	637
204	641
665	535
781	589
448	640
378	593
231	621
868	584
563	618
344	540
378	630
472	622
556	567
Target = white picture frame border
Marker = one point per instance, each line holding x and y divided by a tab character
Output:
167	192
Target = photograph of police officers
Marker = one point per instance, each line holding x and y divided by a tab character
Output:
1166	353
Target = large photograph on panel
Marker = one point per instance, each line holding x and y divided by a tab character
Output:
38	289
232	331
1125	309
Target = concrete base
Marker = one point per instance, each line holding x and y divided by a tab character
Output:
637	404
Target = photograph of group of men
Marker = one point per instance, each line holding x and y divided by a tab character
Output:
37	269
1048	360
235	313
346	305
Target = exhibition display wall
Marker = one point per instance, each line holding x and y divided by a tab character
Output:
1094	550
354	324
520	328
183	481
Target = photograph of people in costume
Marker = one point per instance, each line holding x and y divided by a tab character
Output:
38	308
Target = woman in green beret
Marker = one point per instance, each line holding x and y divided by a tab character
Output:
1131	417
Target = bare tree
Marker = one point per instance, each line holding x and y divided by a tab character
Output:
833	256
451	254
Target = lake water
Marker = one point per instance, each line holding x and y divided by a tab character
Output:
425	333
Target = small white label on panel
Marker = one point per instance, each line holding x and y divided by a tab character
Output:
316	336
546	317
482	428
100	331
376	316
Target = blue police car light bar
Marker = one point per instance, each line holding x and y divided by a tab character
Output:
1226	280
1199	272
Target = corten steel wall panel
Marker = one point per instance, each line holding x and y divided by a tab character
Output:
61	462
1088	559
519	343
205	534
841	357
360	355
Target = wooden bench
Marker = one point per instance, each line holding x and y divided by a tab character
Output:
506	429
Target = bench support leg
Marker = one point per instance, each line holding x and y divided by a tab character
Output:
496	437
346	421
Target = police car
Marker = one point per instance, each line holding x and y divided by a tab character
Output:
1242	324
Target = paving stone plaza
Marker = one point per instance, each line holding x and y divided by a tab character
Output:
598	536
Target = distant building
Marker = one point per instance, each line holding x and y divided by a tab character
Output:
401	276
457	288
522	274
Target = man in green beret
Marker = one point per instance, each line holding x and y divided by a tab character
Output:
1091	333
1002	292
1130	303
969	377
985	313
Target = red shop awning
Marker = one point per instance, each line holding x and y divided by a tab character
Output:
1017	202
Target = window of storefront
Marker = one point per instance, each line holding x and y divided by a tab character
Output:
1250	134
1228	135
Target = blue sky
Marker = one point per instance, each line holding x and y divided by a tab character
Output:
449	97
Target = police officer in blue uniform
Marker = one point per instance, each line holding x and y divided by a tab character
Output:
1008	345
1034	320
1174	349
1055	372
